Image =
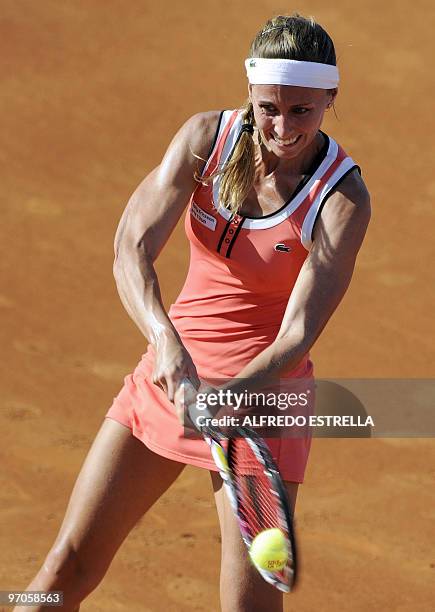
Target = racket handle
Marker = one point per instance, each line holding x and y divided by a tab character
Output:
194	412
187	383
192	409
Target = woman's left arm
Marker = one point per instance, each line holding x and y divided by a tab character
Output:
322	281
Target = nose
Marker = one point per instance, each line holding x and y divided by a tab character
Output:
283	126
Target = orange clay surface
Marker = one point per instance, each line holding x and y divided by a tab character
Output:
92	93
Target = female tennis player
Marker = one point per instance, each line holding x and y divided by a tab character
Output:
276	214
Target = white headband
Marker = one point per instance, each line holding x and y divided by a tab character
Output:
265	71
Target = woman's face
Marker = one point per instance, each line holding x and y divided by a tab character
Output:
288	117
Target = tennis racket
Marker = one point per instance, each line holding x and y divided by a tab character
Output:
255	489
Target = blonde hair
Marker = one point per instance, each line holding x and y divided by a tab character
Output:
283	37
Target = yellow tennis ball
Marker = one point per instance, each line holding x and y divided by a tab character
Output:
269	550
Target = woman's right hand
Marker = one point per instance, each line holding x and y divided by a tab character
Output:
173	364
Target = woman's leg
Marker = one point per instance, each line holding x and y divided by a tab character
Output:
119	481
241	586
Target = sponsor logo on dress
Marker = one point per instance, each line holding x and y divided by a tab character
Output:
202	217
282	248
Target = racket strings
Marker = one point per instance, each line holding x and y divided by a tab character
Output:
257	502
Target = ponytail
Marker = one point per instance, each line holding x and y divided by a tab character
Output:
237	175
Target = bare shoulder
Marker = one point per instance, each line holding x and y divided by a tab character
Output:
189	149
201	131
344	219
351	196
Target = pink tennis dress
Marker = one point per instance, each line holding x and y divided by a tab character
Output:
241	274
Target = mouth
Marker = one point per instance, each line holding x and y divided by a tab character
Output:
287	143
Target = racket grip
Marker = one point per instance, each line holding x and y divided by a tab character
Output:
192	408
187	383
194	412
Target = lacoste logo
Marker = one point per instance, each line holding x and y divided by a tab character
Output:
252	63
282	247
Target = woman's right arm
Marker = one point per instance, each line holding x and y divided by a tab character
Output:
146	224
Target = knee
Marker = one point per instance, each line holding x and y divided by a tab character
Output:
236	565
243	589
65	570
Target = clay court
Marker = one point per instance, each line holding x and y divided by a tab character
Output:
92	93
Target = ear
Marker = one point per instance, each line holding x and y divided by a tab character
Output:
333	93
250	91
